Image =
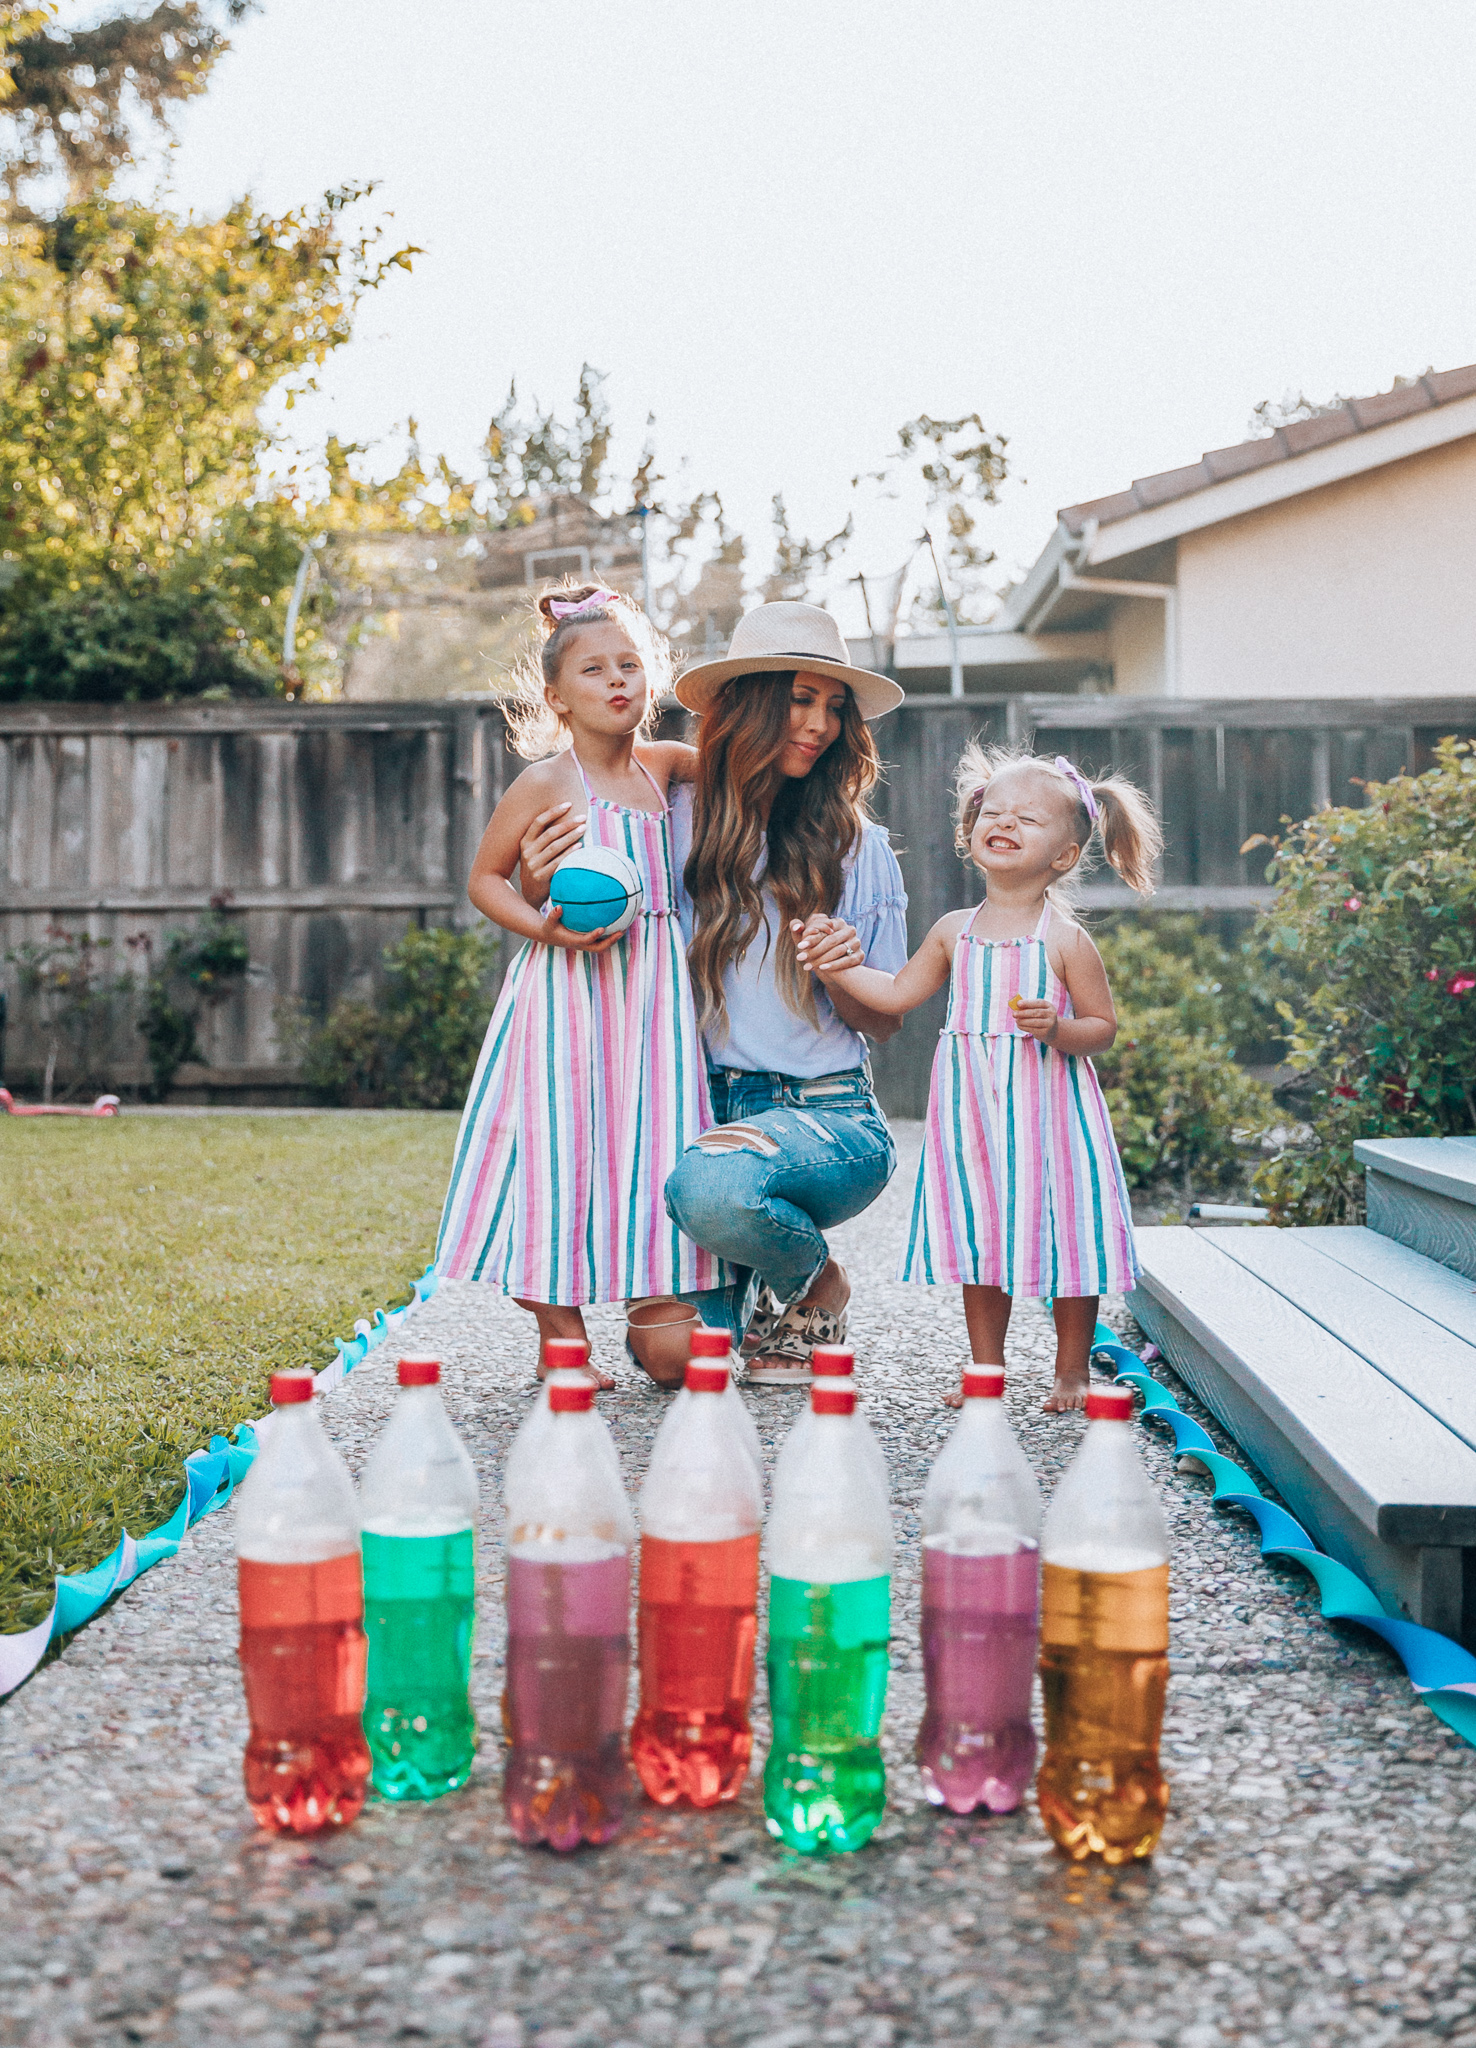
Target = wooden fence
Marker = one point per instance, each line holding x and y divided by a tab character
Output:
330	828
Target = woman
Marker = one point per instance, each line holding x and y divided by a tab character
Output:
779	832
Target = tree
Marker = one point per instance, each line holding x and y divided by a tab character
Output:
72	99
957	466
136	349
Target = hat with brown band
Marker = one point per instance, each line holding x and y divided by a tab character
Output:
775	637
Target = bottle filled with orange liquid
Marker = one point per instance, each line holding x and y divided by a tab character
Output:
303	1648
701	1509
1104	1646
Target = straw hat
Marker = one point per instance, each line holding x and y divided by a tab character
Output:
776	637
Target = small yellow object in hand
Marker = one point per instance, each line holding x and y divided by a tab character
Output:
1015	1002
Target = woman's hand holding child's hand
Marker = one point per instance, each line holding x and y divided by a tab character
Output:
826	945
1037	1020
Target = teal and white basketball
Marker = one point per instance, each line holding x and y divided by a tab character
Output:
597	888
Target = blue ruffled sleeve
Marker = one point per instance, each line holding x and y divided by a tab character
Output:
874	900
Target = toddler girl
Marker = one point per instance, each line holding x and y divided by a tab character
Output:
1020	1189
591	1081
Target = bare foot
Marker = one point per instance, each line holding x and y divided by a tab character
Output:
1069	1392
595	1374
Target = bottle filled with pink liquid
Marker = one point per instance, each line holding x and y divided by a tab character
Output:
303	1648
570	1533
701	1509
980	1608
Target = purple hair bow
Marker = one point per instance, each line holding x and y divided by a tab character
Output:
1080	784
562	608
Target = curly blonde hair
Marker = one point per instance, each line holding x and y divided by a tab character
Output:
535	729
1127	824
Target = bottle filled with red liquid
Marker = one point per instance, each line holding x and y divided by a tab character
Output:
980	1605
701	1510
570	1533
303	1648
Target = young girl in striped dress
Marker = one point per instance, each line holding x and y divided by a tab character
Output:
1020	1189
591	1081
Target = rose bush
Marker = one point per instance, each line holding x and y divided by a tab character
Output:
1377	909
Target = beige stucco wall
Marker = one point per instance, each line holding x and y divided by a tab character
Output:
1135	637
1363	588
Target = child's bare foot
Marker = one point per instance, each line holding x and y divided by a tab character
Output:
595	1374
1069	1392
555	1321
956	1399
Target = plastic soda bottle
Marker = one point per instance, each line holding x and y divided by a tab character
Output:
569	1538
980	1602
1104	1645
418	1503
701	1509
302	1635
830	1562
834	1365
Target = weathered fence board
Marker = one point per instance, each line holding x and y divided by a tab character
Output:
330	828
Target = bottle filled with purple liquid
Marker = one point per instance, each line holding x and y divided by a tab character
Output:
570	1534
980	1609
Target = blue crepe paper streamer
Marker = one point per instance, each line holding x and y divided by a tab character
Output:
1441	1672
211	1477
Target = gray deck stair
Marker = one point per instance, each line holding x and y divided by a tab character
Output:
1345	1366
1422	1193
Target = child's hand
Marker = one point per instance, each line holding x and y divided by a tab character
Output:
1037	1020
553	934
826	945
543	846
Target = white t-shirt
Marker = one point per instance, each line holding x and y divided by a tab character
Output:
764	1035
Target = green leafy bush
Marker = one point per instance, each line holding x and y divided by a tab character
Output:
417	1048
1377	910
197	970
1231	990
1181	1107
128	643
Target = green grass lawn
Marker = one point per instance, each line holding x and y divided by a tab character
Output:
153	1272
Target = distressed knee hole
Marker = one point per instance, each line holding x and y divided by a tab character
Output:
738	1138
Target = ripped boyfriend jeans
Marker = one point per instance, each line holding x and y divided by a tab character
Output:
787	1159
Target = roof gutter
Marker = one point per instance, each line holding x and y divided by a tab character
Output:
1058	561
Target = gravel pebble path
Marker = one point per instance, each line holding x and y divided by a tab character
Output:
1314	1885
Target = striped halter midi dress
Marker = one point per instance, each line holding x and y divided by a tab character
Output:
1019	1186
590	1086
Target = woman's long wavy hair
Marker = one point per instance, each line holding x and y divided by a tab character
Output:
814	822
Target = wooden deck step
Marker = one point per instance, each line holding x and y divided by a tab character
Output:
1376	1458
1422	1193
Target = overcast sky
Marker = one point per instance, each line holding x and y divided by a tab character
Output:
785	226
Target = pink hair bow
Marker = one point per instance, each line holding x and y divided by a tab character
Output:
570	607
1080	784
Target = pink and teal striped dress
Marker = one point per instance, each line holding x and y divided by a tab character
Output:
590	1086
1019	1186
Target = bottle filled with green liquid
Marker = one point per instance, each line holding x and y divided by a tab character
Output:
418	1503
830	1562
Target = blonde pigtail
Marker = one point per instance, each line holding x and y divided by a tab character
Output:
1132	837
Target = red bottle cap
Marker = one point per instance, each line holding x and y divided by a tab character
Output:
1110	1404
832	1361
571	1400
710	1343
705	1378
288	1387
833	1400
983	1382
420	1372
565	1354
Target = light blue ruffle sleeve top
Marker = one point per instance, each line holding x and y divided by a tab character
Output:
764	1035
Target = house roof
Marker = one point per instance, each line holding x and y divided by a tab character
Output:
1357	416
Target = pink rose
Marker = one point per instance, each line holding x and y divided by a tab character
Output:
1460	984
